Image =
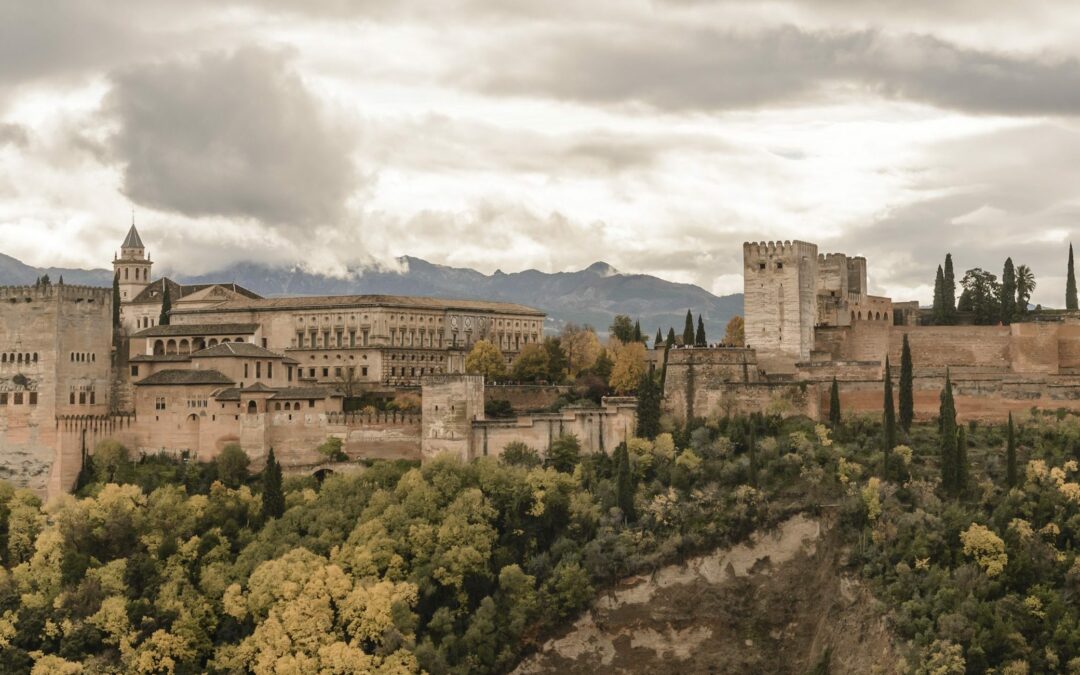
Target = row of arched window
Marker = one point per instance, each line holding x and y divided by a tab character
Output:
83	357
19	358
185	346
870	316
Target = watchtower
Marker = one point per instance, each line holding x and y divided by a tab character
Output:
780	300
132	267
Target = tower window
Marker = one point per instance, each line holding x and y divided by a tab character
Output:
779	265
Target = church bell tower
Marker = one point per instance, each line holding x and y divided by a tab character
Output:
132	267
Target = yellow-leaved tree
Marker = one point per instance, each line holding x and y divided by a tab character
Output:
485	359
629	366
986	547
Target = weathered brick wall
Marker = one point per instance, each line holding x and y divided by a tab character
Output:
1069	347
450	404
694	373
784	398
780	299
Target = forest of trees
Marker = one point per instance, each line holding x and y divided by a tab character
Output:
986	299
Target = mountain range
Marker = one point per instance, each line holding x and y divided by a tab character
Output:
591	296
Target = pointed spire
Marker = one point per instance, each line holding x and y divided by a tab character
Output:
132	240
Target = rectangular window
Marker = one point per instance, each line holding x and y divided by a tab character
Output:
82	398
352	338
264	343
269	370
3	398
363	371
134	371
339	340
245	370
337	372
288	373
299	338
311	372
91	398
258	370
18	398
71	398
326	372
159	403
311	403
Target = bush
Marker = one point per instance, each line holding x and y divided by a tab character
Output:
331	449
232	465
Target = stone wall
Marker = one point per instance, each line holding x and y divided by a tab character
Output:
780	299
450	405
526	397
597	429
694	374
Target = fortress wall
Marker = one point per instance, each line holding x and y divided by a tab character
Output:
597	430
693	375
842	371
526	397
1034	347
1069	347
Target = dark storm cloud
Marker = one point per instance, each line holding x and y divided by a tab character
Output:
686	69
228	135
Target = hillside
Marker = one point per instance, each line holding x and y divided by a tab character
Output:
590	296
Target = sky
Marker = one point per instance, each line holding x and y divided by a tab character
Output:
655	135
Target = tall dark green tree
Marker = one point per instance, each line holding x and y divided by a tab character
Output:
948	289
670	337
116	300
659	339
648	407
984	295
947	421
1010	456
273	496
638	337
556	371
622	328
907	387
939	310
1070	283
624	482
166	307
699	337
889	413
751	446
688	330
834	405
961	460
1008	292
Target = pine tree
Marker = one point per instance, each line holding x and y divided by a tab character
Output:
166	307
648	407
948	289
273	497
907	387
116	300
688	330
699	337
1010	456
1070	283
624	482
939	311
947	421
889	414
670	337
834	405
1008	292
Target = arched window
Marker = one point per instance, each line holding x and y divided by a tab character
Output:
20	358
860	316
170	347
886	316
213	342
35	357
252	408
277	406
185	346
159	348
3	358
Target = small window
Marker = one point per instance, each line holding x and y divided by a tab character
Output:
3	398
33	398
18	398
779	265
311	403
134	371
761	266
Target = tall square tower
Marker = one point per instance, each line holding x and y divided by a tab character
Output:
780	300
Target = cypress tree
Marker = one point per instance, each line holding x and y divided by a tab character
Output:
961	460
116	300
889	414
624	482
670	337
1070	283
1008	292
939	297
166	307
699	338
907	387
638	337
834	405
659	339
751	446
947	421
949	288
648	407
273	497
1010	456
688	330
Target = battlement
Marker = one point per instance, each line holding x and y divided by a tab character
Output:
778	248
54	293
832	258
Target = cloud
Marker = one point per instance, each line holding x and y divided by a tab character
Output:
681	68
14	134
235	135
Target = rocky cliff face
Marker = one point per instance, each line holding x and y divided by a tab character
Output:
776	604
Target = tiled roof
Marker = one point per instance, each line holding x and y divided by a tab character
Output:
132	240
170	377
154	292
257	387
307	392
159	358
198	329
301	302
245	349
